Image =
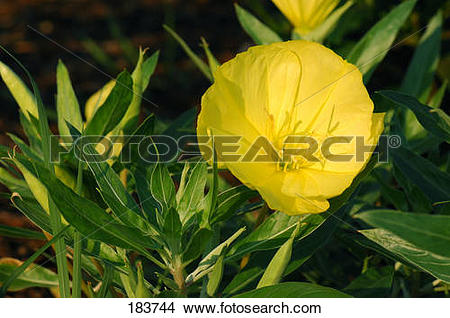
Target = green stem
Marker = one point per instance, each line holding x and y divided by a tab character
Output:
107	277
60	252
77	244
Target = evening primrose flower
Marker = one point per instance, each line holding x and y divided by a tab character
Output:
276	91
306	15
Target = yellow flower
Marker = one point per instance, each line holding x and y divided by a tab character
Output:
306	15
294	88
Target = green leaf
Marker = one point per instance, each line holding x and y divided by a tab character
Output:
197	61
206	265
408	253
419	75
215	277
33	211
309	244
435	120
26	150
129	153
322	31
258	31
428	232
274	271
193	192
374	46
142	177
19	271
141	290
17	232
24	98
30	130
434	182
67	105
34	276
106	281
172	230
294	290
141	77
182	125
196	245
419	202
162	187
272	233
14	184
148	68
229	201
91	220
375	282
242	280
394	196
211	197
113	191
436	100
212	61
108	116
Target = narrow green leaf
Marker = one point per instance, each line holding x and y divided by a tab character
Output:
67	105
212	61
408	253
108	116
193	192
92	221
272	233
130	154
435	120
196	245
277	266
17	232
24	98
305	248
148	68
113	191
293	290
197	61
242	280
172	230
215	277
425	59
229	201
375	282
419	202
142	177
428	232
258	31
141	290
438	97
434	182
206	265
106	281
34	276
141	77
162	187
18	271
374	46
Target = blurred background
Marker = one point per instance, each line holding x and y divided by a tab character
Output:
107	35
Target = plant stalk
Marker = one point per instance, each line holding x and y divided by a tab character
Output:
77	244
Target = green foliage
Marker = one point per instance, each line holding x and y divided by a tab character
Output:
259	32
375	45
175	229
